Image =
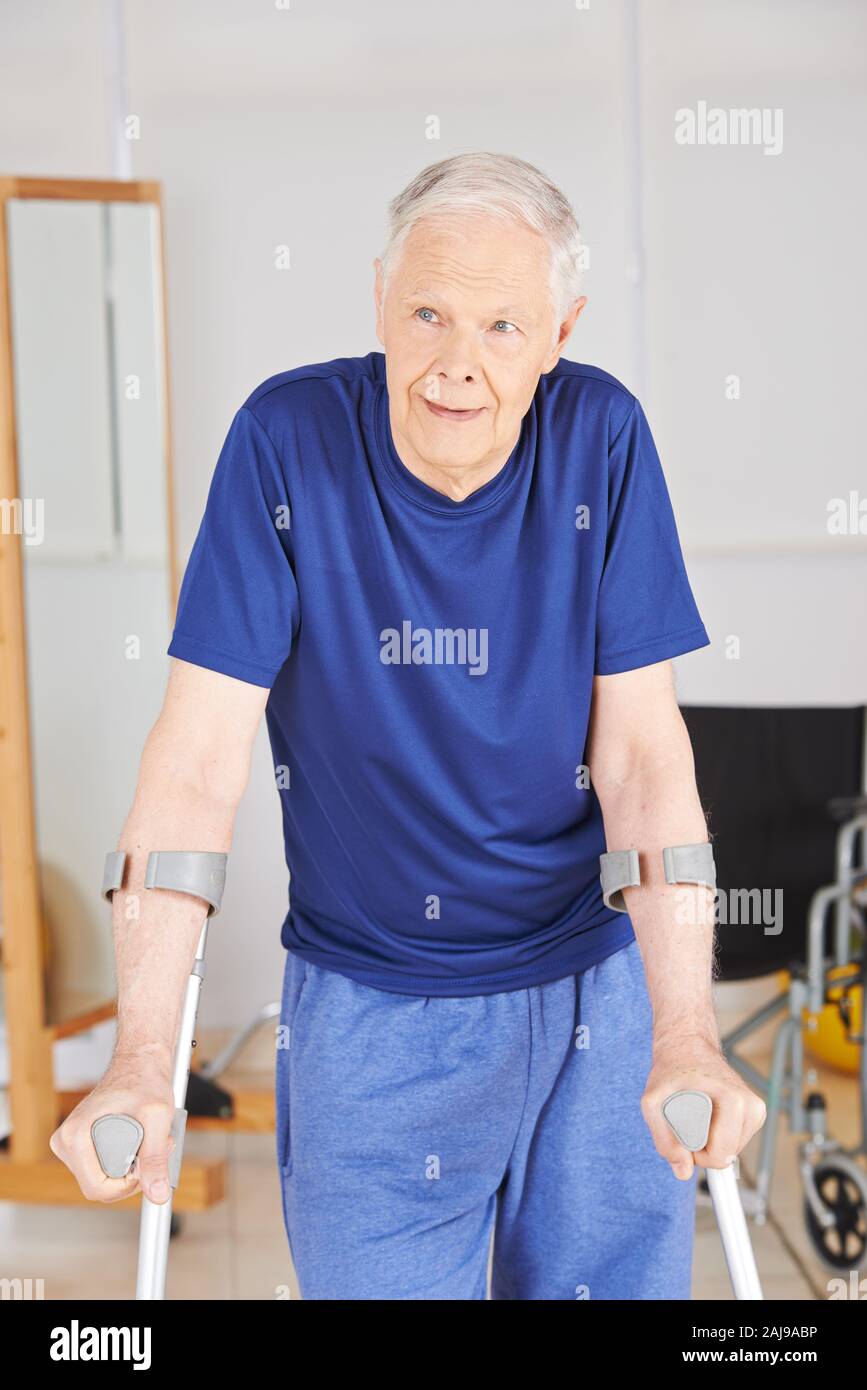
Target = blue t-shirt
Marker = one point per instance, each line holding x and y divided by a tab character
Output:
430	666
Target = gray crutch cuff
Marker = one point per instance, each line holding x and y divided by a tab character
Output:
690	864
620	869
198	872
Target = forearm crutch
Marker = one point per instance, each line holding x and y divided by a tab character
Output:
117	1138
689	1114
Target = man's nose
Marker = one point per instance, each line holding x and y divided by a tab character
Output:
457	363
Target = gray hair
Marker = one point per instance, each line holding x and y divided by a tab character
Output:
503	186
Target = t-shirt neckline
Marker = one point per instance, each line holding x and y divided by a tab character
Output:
420	492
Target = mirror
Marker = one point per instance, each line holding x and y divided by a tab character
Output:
93	508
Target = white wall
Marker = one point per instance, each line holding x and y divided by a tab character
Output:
755	267
268	126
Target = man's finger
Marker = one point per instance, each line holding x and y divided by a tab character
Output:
152	1166
726	1129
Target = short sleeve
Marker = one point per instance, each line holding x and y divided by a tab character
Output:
645	608
238	608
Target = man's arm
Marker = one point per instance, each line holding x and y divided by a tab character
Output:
641	767
193	772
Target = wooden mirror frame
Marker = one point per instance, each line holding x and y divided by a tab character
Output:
36	1106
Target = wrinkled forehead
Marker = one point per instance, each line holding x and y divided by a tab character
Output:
493	258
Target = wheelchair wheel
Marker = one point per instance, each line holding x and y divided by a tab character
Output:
842	1189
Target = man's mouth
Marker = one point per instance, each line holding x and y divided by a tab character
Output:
445	412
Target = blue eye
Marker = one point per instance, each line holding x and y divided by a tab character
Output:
505	322
426	311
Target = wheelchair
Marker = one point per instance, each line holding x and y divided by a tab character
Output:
784	793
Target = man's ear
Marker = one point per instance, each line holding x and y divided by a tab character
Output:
563	336
378	297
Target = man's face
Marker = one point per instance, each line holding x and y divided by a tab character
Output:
468	327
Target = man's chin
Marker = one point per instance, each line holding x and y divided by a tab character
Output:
450	461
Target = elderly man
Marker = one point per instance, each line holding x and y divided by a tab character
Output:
450	576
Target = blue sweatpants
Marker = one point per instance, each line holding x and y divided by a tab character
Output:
409	1129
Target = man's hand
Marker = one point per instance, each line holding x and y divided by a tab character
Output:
696	1064
141	1089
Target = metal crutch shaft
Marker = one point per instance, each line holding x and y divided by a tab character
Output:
111	1134
735	1234
156	1218
117	1138
689	1114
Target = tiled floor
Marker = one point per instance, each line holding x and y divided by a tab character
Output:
238	1250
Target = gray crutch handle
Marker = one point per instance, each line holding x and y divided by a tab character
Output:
688	1114
118	1138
